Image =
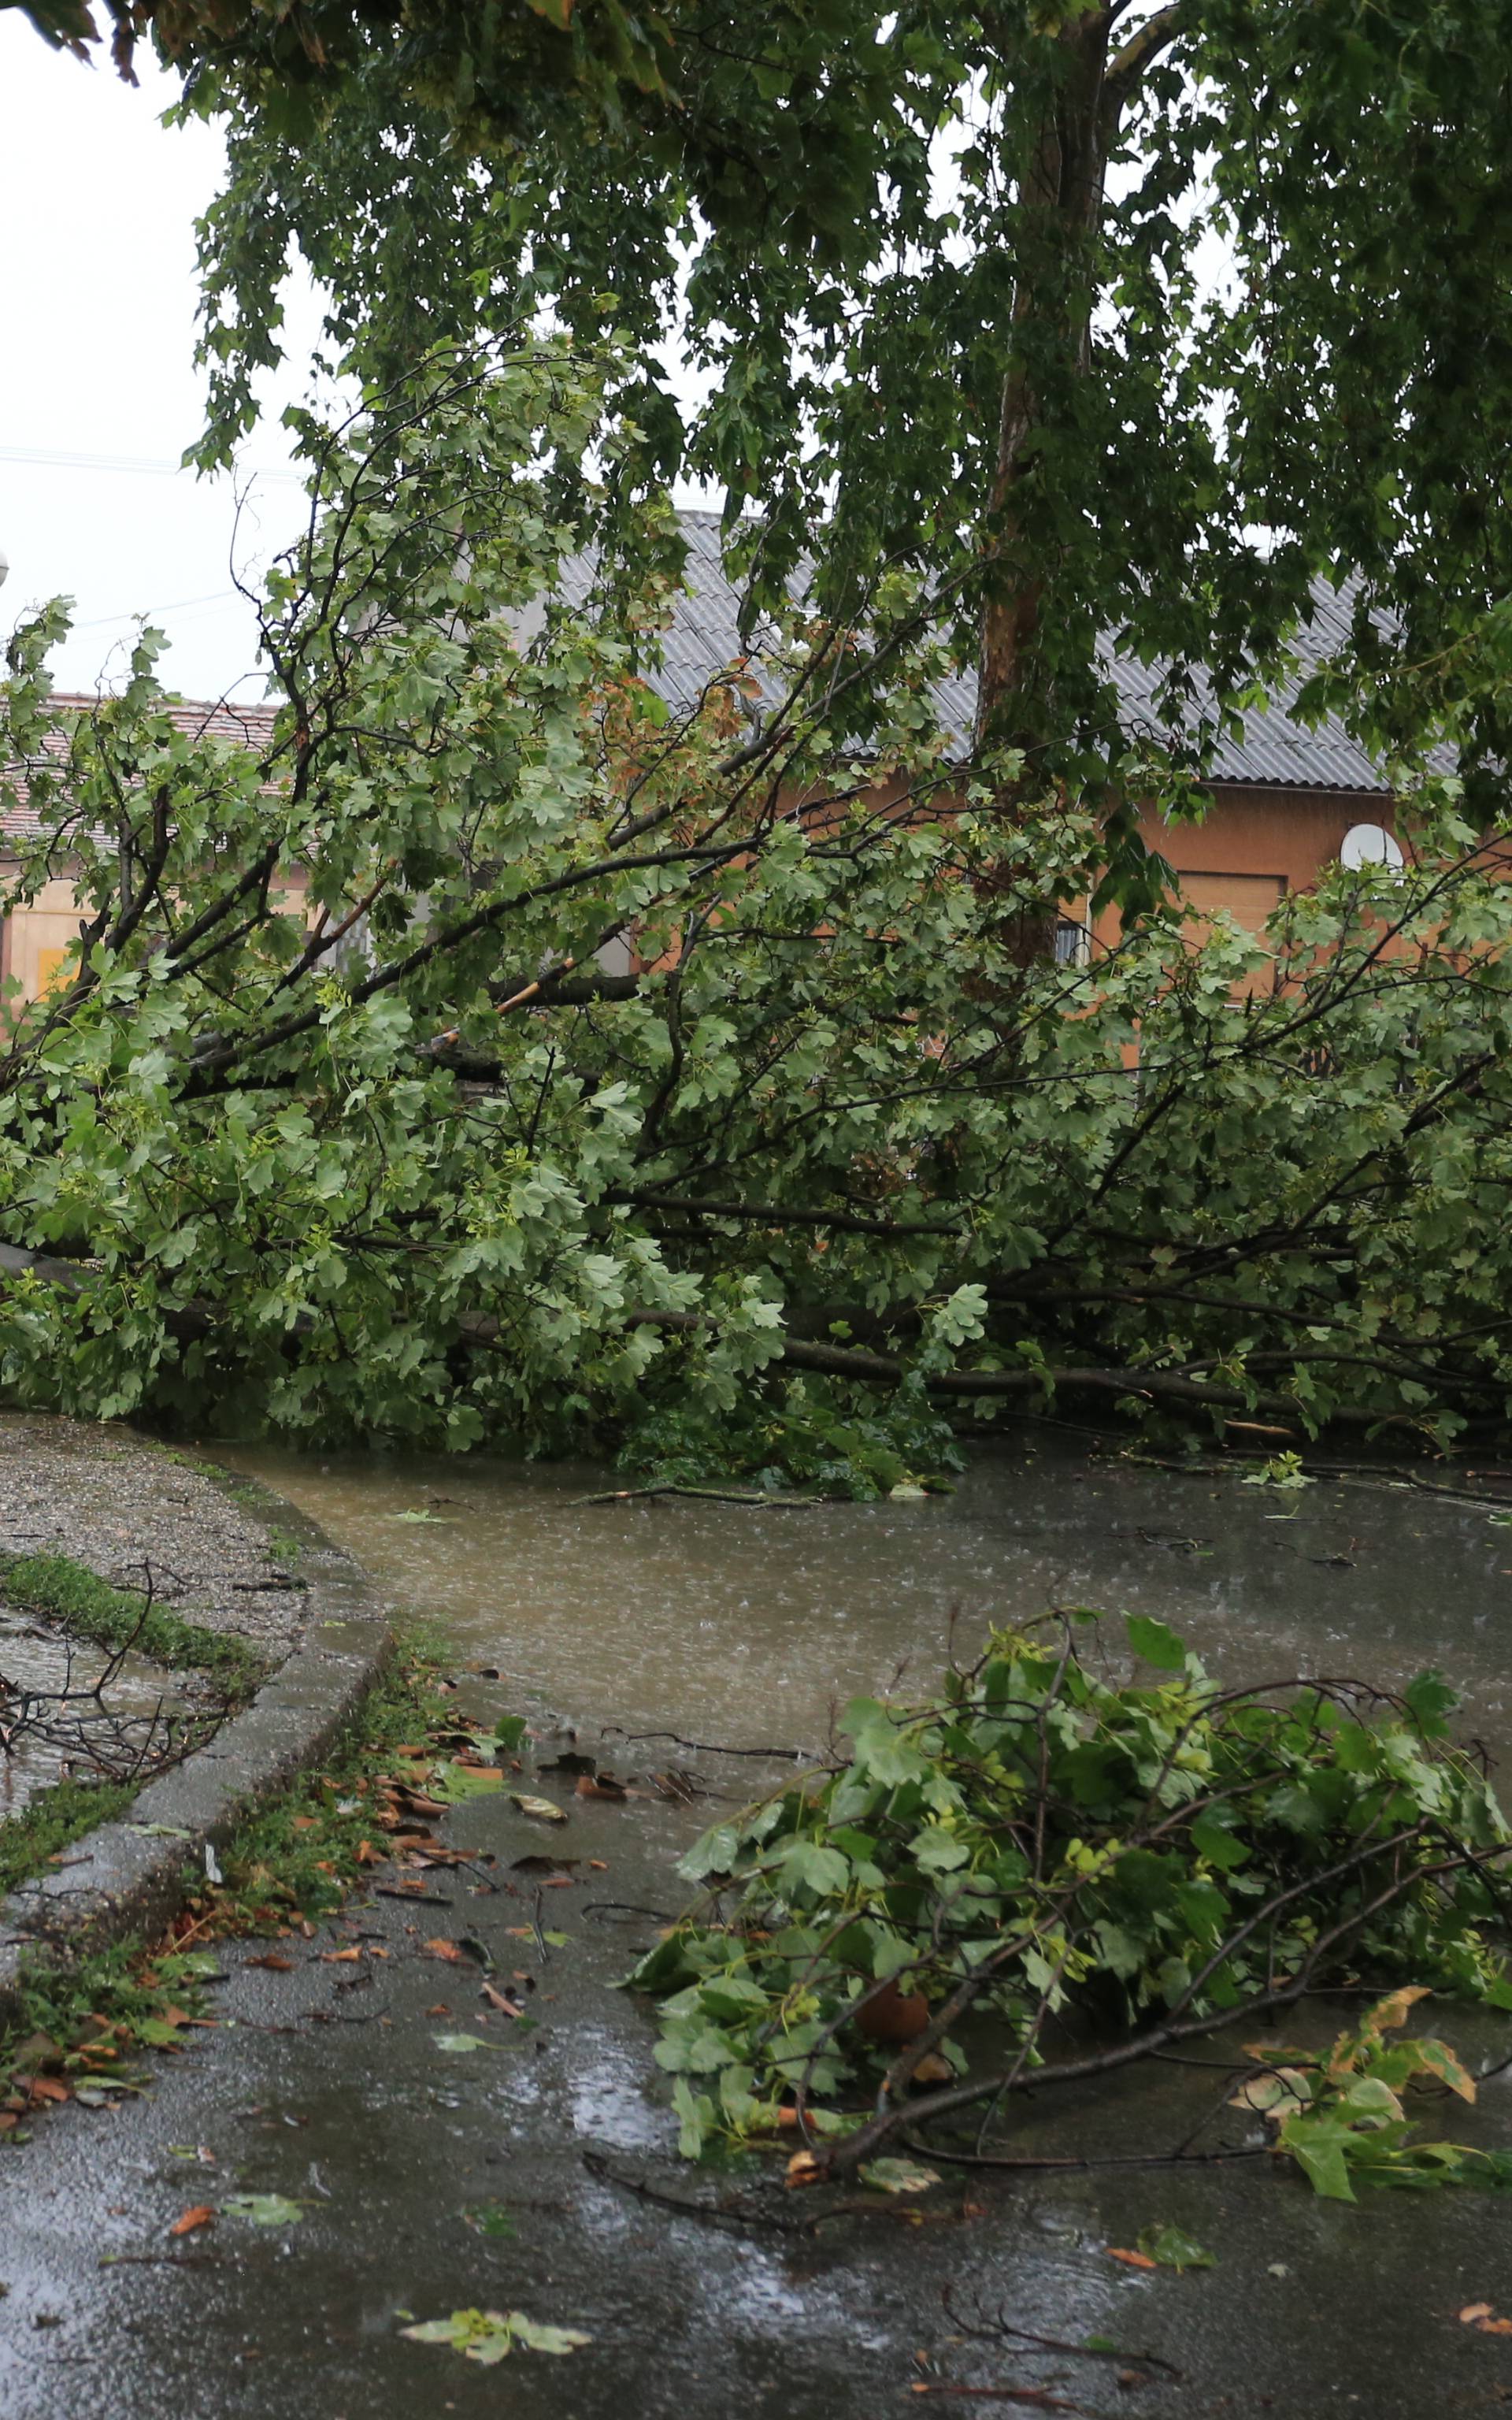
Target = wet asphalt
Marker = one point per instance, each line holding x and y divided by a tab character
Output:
328	2083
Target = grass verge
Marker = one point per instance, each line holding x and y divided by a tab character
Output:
54	1820
299	1857
86	1607
290	1864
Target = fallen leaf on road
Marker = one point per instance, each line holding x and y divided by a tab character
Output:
802	2169
900	2176
263	2209
441	1947
454	1784
461	2043
541	1808
1130	2259
272	1960
1478	2316
340	1957
1170	2249
202	2214
487	2337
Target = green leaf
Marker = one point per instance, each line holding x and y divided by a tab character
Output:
1430	1701
262	2210
1170	2249
537	2338
880	1746
895	2176
455	1784
813	1868
1154	1643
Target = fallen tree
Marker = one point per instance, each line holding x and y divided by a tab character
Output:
501	1051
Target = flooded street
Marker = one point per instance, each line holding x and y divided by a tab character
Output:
735	1620
745	1628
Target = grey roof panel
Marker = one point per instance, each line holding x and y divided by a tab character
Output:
704	638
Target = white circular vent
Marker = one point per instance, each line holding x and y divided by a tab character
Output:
1370	844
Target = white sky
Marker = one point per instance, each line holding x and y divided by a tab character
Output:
97	322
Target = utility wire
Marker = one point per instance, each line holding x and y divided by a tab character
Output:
139	465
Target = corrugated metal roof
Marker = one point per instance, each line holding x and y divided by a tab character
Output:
704	639
1275	748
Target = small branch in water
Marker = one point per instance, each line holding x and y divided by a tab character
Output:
728	2213
1111	2159
707	1747
1001	2327
1039	2396
759	1496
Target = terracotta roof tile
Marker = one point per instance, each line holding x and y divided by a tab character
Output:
250	726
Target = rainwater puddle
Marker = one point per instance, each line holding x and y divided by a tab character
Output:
747	1629
51	1724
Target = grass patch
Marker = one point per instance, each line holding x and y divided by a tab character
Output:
298	1858
82	2026
88	1608
53	1821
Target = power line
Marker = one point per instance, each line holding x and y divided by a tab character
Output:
175	605
136	464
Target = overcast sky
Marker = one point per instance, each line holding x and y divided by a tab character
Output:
96	321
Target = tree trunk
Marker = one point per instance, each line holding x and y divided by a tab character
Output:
1060	205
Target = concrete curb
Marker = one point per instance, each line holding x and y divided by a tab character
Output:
133	1876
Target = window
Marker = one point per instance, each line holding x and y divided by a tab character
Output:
1249	899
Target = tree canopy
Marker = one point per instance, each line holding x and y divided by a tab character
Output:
1106	320
499	1049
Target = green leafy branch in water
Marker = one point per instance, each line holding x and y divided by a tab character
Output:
1343	2119
1045	1848
803	1435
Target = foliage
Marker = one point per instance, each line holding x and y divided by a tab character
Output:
487	2337
338	1126
1044	1846
297	54
293	1861
943	278
803	1435
65	1592
296	1859
78	2021
1342	2116
51	1820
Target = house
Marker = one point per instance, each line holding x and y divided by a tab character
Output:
1288	798
36	939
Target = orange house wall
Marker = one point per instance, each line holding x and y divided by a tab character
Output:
1284	836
